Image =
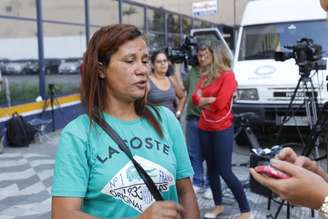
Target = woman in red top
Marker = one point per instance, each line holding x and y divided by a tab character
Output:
214	93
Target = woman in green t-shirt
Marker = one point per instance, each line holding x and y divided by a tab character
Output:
93	178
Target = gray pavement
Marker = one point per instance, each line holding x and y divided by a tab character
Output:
25	183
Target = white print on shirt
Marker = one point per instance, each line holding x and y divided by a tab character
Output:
128	187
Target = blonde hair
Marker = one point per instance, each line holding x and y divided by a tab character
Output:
222	59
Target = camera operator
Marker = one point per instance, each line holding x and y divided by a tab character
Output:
308	182
192	116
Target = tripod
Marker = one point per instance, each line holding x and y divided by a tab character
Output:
244	127
52	101
307	91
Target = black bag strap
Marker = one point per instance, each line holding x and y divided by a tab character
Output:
141	171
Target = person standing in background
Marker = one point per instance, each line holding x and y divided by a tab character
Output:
164	90
214	94
192	117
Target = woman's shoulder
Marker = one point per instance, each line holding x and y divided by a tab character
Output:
228	73
78	126
151	80
163	112
152	83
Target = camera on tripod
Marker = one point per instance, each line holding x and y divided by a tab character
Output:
51	101
51	88
308	56
186	53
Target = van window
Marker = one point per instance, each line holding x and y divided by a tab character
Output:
261	41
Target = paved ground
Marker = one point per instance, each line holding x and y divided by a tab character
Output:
25	182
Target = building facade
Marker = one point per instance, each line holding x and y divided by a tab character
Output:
229	11
54	34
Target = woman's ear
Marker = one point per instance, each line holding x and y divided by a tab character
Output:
101	70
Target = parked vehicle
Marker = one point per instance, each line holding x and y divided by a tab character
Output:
69	67
265	86
32	67
16	67
52	66
3	64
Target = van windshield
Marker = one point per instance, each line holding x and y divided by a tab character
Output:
261	41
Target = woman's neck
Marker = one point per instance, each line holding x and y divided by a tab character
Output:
123	110
159	75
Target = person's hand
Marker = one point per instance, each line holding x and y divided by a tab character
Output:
163	209
204	101
178	114
302	188
289	155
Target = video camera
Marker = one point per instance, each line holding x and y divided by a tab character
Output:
187	53
51	87
308	56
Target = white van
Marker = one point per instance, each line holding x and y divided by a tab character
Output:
265	86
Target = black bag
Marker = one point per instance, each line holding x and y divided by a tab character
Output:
19	132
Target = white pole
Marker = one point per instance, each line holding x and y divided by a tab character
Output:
7	87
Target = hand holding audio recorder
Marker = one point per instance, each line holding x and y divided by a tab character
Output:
270	171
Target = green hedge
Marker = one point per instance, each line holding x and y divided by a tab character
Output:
20	93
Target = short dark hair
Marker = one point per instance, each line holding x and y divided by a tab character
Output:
155	54
202	46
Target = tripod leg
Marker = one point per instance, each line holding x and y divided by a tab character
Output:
312	115
58	105
314	104
52	113
239	129
279	209
45	106
253	141
284	119
314	101
269	203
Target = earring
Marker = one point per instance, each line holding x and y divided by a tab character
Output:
101	70
102	75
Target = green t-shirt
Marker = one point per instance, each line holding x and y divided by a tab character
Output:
190	83
91	166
